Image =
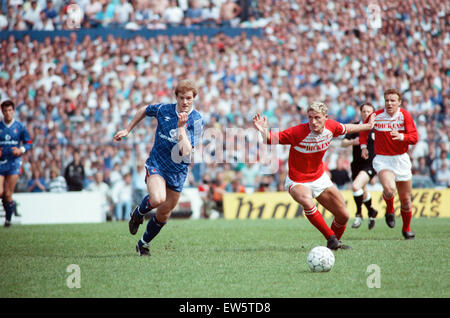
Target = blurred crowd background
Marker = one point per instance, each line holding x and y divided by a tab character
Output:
73	95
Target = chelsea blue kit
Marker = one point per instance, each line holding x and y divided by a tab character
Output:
12	135
165	158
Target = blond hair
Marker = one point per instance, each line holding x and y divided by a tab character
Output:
184	86
318	107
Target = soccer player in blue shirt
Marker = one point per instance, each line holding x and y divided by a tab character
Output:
178	132
14	142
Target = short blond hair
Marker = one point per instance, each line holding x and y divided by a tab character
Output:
186	85
318	107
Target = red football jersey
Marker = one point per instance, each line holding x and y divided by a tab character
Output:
307	148
384	124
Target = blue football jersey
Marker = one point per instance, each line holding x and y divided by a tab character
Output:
13	135
165	151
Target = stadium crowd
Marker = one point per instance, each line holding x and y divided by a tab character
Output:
74	95
135	14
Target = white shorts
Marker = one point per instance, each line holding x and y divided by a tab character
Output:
317	186
400	165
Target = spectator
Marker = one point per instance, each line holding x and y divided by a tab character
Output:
422	169
123	12
37	182
443	175
215	195
57	182
173	14
250	171
50	11
204	190
193	14
74	173
264	185
229	13
31	16
44	23
236	186
115	175
340	175
122	198
100	186
438	162
211	15
139	185
3	22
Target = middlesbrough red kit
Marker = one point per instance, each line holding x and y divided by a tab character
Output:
384	124
307	148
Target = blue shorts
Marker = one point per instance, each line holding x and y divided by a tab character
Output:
8	168
174	181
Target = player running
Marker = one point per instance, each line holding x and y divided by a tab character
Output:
394	131
307	179
14	142
362	171
178	132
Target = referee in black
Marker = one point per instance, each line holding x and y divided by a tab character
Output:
362	171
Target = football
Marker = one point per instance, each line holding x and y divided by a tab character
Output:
320	259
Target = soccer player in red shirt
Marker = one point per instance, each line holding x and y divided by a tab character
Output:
307	179
394	131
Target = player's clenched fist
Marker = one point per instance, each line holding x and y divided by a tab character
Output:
182	119
120	134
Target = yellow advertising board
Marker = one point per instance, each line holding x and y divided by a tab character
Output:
266	205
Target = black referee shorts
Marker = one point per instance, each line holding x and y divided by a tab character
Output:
357	168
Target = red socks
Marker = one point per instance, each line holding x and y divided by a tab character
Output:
338	229
389	204
406	217
317	220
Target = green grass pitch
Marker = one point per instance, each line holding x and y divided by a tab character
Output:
222	259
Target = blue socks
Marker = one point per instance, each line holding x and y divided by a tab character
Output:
144	207
153	228
153	225
9	209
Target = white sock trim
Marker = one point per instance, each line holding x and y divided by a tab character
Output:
310	212
368	197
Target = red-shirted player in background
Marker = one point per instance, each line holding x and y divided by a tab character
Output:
394	131
307	179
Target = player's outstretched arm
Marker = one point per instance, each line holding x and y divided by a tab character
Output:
356	128
136	119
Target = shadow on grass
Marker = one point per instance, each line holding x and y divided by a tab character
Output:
258	249
87	256
379	238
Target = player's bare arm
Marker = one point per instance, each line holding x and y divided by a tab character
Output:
260	124
356	128
350	142
183	140
136	119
